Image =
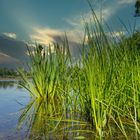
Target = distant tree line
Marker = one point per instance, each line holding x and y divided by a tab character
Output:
6	84
5	72
137	8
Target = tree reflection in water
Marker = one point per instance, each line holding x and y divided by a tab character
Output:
6	84
10	83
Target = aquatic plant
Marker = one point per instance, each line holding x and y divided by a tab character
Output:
47	69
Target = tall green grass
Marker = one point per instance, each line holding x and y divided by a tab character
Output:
111	85
103	85
47	68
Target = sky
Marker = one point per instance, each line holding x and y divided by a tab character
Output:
44	21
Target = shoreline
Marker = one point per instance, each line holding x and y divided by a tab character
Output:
11	78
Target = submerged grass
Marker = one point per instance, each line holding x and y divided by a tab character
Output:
103	85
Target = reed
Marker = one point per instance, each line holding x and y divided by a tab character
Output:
103	85
47	69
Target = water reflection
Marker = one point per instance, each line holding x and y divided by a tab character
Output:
10	83
9	109
6	83
49	120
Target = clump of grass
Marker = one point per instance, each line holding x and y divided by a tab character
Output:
107	82
47	69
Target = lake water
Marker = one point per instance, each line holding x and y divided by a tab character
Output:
38	120
12	100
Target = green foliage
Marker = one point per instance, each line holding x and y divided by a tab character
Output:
133	42
103	85
48	69
137	6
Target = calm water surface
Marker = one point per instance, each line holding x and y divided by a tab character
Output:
12	100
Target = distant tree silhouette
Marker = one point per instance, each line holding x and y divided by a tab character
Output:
137	8
5	72
133	42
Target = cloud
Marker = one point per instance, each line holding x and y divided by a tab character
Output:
110	11
10	35
78	21
126	1
47	36
75	33
118	33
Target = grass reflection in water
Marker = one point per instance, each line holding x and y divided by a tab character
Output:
48	120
